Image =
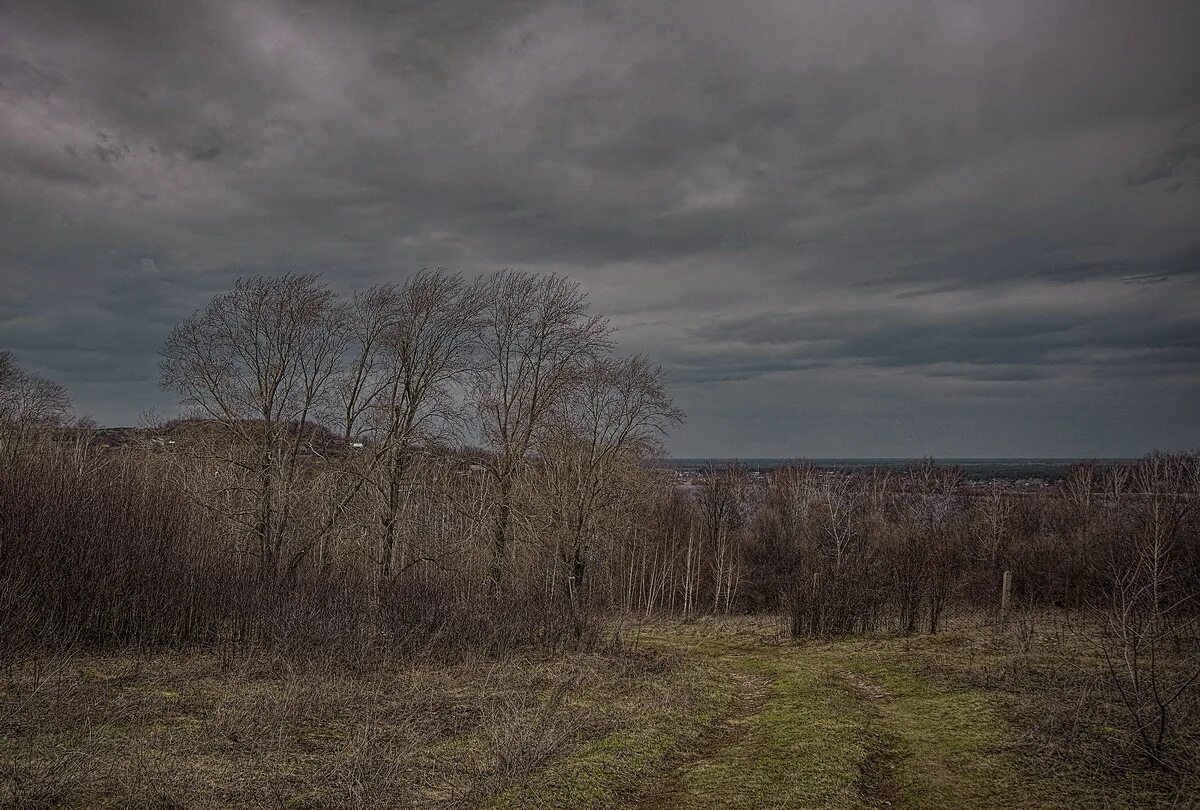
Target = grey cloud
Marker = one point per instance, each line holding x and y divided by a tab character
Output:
207	144
1180	161
945	202
53	173
972	343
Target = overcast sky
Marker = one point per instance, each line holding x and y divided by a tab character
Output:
844	228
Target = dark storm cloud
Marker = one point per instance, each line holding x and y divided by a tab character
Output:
1031	342
943	227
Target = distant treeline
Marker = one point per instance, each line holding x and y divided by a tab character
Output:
973	469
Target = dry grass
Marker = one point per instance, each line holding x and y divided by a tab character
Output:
1050	668
706	714
174	729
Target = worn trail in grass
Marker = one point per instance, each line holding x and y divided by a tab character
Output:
839	725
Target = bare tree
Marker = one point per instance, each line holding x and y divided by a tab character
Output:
416	345
995	509
936	517
723	501
535	338
28	399
363	378
256	365
8	377
616	415
1147	605
28	403
835	587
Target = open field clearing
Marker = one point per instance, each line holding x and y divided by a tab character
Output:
722	713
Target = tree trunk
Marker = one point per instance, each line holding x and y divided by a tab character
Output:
500	536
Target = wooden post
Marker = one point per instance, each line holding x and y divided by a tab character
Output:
1005	589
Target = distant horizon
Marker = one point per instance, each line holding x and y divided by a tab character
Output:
974	468
1125	455
911	458
680	457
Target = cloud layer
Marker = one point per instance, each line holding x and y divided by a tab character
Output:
857	228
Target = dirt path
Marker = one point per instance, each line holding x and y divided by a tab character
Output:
669	789
878	783
797	734
845	725
834	725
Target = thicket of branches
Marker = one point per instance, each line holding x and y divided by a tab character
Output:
845	553
435	462
419	451
848	552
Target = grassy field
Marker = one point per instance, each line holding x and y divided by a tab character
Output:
722	713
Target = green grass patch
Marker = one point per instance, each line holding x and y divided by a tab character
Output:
608	772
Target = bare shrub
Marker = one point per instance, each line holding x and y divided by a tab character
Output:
1147	619
98	550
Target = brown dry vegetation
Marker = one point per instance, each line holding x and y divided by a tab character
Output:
712	713
199	729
